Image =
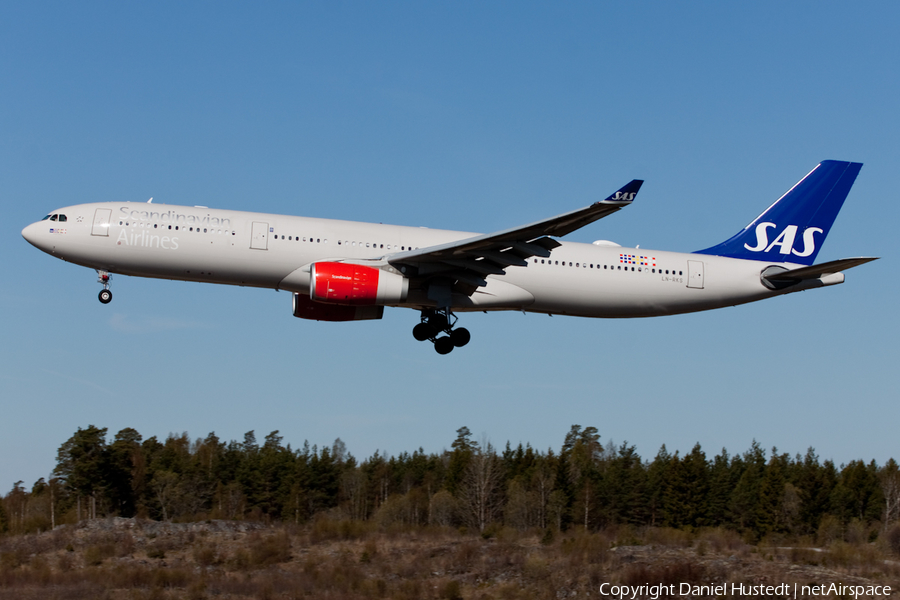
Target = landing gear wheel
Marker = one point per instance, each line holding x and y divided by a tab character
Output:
443	345
460	337
424	331
105	296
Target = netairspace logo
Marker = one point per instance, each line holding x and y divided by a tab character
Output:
784	590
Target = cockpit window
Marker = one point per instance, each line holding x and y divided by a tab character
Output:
45	218
62	219
53	217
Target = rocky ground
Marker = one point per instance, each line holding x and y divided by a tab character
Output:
137	559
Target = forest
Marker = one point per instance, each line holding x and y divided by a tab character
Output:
473	486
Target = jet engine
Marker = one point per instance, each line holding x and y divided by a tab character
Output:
355	285
304	308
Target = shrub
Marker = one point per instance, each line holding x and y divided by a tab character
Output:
893	539
451	590
270	550
94	555
206	555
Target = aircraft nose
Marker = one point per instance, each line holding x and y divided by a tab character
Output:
30	234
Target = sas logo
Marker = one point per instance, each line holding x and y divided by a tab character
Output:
623	196
785	240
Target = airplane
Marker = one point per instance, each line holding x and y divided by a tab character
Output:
350	271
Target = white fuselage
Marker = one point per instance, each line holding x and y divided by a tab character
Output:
276	251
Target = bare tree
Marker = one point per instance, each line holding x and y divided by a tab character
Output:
480	491
442	509
890	486
164	485
353	482
521	506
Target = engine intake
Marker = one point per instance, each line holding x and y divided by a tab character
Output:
355	285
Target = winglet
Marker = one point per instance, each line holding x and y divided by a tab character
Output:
625	194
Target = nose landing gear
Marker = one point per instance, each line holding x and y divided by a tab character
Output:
435	322
105	295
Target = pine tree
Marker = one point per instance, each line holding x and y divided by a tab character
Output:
4	519
696	488
463	447
768	509
81	465
657	483
721	484
745	497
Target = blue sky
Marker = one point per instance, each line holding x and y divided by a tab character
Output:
471	116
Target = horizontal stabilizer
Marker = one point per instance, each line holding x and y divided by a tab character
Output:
817	271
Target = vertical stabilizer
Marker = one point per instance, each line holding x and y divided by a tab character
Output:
794	227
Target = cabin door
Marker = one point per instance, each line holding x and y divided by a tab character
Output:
695	274
259	237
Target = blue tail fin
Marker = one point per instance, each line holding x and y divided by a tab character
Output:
793	229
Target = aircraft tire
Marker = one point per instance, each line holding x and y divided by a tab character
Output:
105	296
460	337
443	345
423	331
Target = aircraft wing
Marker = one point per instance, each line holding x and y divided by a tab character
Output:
470	260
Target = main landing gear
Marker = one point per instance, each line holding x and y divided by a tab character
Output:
105	295
435	322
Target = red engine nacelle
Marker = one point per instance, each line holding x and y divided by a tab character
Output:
355	285
305	308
